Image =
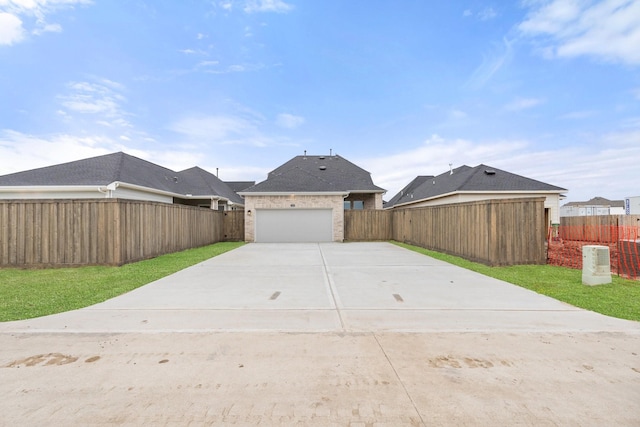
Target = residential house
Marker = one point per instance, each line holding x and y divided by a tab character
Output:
595	206
467	184
123	176
304	200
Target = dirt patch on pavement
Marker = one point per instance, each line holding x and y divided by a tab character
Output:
323	378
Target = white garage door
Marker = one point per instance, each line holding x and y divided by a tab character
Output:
294	225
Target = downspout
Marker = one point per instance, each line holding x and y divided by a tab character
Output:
111	188
214	203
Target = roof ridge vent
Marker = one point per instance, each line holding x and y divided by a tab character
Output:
322	157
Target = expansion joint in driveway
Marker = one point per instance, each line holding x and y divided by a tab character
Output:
332	289
395	372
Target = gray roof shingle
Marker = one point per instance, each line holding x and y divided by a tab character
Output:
317	174
409	188
103	170
468	179
238	186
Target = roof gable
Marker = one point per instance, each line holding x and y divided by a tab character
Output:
317	174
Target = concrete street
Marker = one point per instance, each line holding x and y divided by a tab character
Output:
322	334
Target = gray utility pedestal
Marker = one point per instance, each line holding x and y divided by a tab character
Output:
596	266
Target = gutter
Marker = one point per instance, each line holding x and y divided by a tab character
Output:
295	193
49	188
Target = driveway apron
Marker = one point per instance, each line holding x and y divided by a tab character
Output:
309	287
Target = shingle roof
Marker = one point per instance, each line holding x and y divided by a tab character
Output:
198	182
239	185
409	188
103	170
317	174
468	179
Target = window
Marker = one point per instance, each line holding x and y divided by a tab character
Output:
353	204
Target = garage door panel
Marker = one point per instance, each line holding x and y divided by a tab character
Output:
294	225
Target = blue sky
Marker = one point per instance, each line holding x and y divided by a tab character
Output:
546	89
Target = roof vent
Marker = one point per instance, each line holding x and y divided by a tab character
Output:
322	168
489	172
321	157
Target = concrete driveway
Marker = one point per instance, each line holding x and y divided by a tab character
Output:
354	287
356	334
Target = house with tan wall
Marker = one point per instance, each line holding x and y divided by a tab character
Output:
304	200
121	176
469	184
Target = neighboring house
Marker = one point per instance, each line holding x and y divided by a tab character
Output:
595	206
304	200
122	176
468	184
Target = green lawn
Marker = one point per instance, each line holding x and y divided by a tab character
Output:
32	293
619	299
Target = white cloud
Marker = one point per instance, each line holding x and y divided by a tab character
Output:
217	129
193	52
214	67
101	97
18	16
222	130
48	28
246	129
432	157
279	6
523	104
491	64
20	151
226	5
487	14
457	114
289	121
608	30
606	165
11	30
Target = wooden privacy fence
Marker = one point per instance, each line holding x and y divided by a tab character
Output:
493	232
46	233
363	225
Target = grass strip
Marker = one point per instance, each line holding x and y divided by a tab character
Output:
25	294
620	299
